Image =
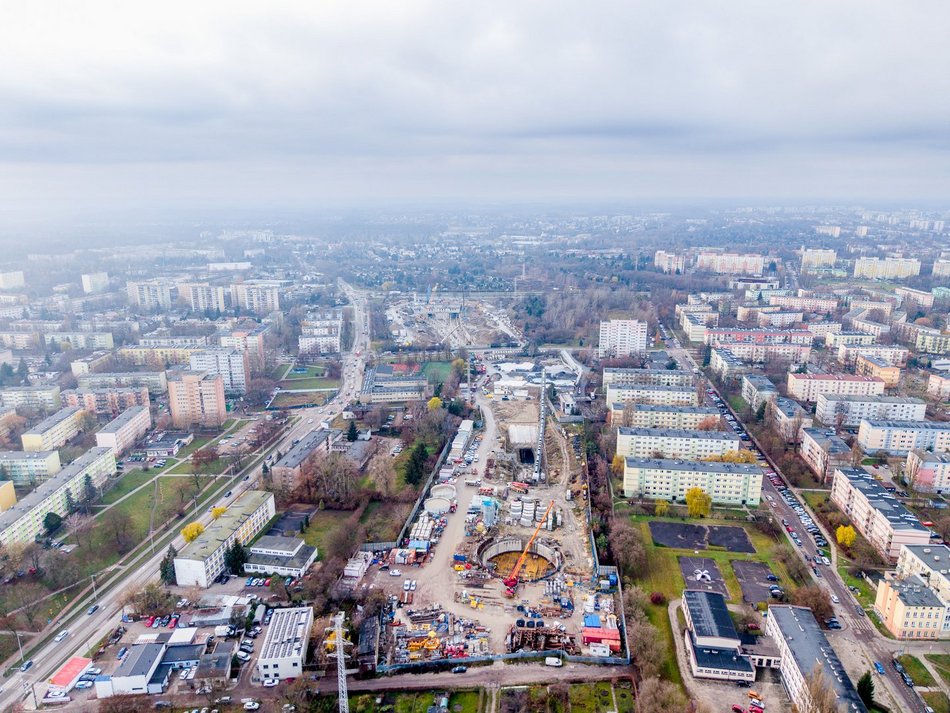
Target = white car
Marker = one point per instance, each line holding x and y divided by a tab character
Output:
271	682
834	598
395	573
412	586
61	635
251	705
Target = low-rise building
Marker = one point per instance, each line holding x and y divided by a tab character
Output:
91	363
122	432
316	443
928	471
664	479
712	642
283	556
877	368
780	319
920	298
382	384
876	513
760	353
653	416
802	646
835	340
24	521
806	387
54	431
649	394
156	356
898	438
674	443
823	451
723	362
805	304
202	560
910	609
79	340
849	411
822	329
717	335
284	651
29	468
931	562
932	341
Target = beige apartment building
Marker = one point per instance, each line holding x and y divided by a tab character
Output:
726	483
807	387
890	268
652	416
674	443
650	394
196	397
122	432
54	431
878	368
900	437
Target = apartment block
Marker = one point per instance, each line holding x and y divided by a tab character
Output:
250	340
822	305
694	324
911	610
651	416
780	319
257	296
876	513
932	341
38	398
649	394
204	297
284	651
941	268
621	338
94	282
807	387
919	298
802	645
877	368
24	521
106	402
723	362
19	340
716	335
94	362
726	483
938	385
730	263
202	560
674	443
890	268
155	381
157	357
122	432
669	262
757	389
29	468
80	340
54	431
196	397
814	258
654	377
867	326
321	333
928	471
13	280
900	437
893	355
789	418
231	365
823	451
849	411
859	304
152	295
315	444
836	340
931	562
822	329
759	353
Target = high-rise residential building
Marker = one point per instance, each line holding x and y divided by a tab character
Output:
941	268
196	397
93	282
152	294
622	338
890	268
14	280
730	263
832	231
320	333
231	364
669	262
203	297
256	296
813	258
248	339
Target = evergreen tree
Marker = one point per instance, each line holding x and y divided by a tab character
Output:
235	557
866	688
416	467
23	372
167	567
351	433
88	491
70	502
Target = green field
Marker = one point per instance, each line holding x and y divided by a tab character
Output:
437	371
196	444
308	371
310	383
215	467
308	398
126	484
279	371
937	700
322	527
591	697
941	662
917	671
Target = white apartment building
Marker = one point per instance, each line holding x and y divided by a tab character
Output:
941	268
674	443
19	340
756	389
230	364
759	353
823	451
650	394
694	324
155	381
152	295
53	432
780	319
24	521
876	513
651	416
621	338
726	483
836	339
848	353
813	258
256	296
801	645
900	437
938	386
669	262
730	263
29	468
250	340
285	645
805	304
122	432
39	398
14	280
890	268
80	340
930	562
928	471
822	329
202	560
932	341
849	411
723	362
95	282
204	297
807	387
321	333
654	377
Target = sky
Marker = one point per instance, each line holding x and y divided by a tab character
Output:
113	107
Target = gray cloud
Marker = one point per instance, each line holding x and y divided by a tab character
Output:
220	103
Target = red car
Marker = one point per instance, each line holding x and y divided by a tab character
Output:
149	622
173	623
736	708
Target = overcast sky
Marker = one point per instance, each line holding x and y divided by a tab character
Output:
184	105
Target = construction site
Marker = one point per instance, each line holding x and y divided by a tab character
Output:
508	566
435	319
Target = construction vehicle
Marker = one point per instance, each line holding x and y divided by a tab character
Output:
511	582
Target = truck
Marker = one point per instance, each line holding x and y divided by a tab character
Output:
221	632
553	661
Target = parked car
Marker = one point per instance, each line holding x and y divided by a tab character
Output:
271	682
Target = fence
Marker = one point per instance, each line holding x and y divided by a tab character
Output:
515	656
377	546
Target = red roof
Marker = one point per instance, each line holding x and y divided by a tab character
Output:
70	671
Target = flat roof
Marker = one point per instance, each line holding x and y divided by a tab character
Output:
830	441
288	633
618	406
123	419
759	380
277	542
25	455
914	592
725	659
833	377
70	671
220	530
936	557
880	499
304	449
650	387
694	466
809	646
140	660
709	614
297	560
909	425
50	422
875	399
677	433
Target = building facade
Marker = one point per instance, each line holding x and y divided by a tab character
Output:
807	387
196	397
674	443
54	431
849	411
663	479
284	651
231	364
122	432
621	338
900	437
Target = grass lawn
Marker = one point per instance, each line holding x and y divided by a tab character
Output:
917	671
310	398
937	700
738	404
384	521
865	593
437	371
215	467
322	527
941	662
305	372
814	499
279	372
197	443
465	701
310	383
126	484
591	697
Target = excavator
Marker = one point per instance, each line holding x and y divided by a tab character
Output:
511	582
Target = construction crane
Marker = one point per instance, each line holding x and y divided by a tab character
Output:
339	649
512	581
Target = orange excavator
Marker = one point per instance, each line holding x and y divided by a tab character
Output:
512	580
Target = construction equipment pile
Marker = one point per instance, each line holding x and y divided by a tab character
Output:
539	639
434	634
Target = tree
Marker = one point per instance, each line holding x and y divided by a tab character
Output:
655	694
52	522
192	530
646	649
78	525
660	508
698	502
866	689
70	501
88	492
119	524
204	457
167	567
218	511
626	545
814	598
820	696
235	557
846	535
415	468
710	423
434	404
617	464
351	433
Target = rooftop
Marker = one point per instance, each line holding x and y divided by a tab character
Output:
914	592
123	419
694	466
809	646
724	659
833	377
709	614
909	425
220	530
288	633
25	455
303	450
653	408
880	499
936	557
140	660
677	433
876	399
50	422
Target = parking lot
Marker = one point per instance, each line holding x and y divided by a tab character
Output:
703	573
753	578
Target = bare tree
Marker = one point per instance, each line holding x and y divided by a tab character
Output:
78	525
820	696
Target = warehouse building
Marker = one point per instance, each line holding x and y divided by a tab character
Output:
285	645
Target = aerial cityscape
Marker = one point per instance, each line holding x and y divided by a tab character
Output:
422	390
